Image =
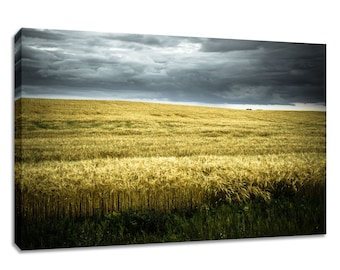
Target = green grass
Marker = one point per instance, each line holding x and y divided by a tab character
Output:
281	217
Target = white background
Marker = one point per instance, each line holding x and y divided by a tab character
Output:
294	21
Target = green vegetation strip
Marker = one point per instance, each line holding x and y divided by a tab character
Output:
281	217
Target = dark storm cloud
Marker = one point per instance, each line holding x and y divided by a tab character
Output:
141	39
124	66
220	45
43	34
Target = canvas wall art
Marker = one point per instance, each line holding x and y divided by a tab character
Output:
137	139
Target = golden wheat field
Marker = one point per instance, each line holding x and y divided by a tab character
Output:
80	158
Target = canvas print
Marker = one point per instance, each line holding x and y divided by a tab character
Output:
137	139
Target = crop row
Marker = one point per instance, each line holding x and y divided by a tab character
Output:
102	186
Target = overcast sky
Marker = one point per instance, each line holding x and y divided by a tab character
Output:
217	72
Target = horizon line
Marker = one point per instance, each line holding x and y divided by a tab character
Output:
298	106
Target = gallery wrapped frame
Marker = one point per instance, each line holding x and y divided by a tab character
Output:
131	139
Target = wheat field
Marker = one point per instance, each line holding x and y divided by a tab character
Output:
83	158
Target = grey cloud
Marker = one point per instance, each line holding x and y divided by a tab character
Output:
172	68
44	34
142	39
148	40
227	45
